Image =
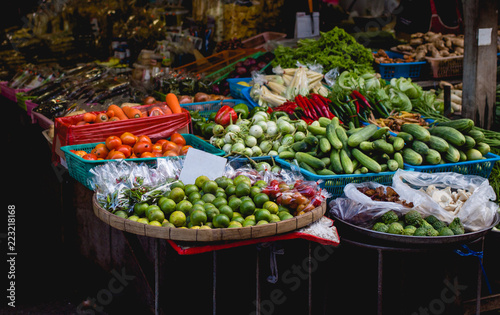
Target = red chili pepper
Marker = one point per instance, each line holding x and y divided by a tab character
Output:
324	108
315	111
363	102
302	105
225	115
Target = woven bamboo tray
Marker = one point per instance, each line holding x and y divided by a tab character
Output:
209	235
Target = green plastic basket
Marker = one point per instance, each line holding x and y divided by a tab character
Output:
335	184
21	98
79	168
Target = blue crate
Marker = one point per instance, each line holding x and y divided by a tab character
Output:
398	70
246	94
335	184
206	108
236	89
238	161
477	167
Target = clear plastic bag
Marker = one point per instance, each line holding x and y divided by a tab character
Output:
476	212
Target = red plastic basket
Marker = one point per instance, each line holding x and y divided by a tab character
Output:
9	92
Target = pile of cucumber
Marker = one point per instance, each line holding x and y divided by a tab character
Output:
445	142
331	148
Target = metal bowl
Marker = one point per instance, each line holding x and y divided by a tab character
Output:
364	235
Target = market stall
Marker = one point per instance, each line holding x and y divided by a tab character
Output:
209	150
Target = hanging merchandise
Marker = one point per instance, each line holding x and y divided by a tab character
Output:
241	19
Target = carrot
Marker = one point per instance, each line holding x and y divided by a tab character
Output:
114	118
101	118
117	111
156	111
89	117
173	102
131	112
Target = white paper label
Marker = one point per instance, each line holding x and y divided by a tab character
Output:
199	163
484	37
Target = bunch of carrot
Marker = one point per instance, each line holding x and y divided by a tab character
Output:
115	112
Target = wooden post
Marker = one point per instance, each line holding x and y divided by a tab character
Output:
480	61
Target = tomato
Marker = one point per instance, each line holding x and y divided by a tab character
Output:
184	149
81	123
89	117
147	155
125	149
178	139
144	138
157	148
128	138
116	155
161	141
101	150
142	146
133	156
89	156
112	142
170	153
157	154
80	153
169	145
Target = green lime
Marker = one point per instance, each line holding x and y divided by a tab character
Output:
254	190
194	196
261	198
210	225
198	217
225	209
140	208
219	201
262	214
242	178
177	183
133	218
236	214
274	218
143	220
234	203
247	208
261	222
177	194
151	208
209	206
205	227
156	215
121	214
167	224
167	205
209	187
177	218
242	189
155	223
230	189
189	188
199	202
211	213
283	208
194	227
234	224
208	197
220	189
248	222
220	221
244	198
284	215
196	207
221	194
184	206
250	217
271	206
200	180
238	219
222	181
261	183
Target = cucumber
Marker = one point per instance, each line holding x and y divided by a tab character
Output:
383	146
366	161
463	156
346	162
336	165
433	157
420	147
286	155
310	160
324	121
392	165
316	130
363	170
350	132
478	135
326	160
412	157
383	167
335	122
399	158
418	132
452	155
473	154
469	143
379	133
452	135
484	148
438	144
397	142
406	136
464	125
307	167
325	172
366	146
332	137
342	135
362	135
299	146
311	140
324	145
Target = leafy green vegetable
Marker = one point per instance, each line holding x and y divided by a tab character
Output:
335	49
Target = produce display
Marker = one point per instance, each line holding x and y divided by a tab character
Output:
381	57
435	45
129	146
396	120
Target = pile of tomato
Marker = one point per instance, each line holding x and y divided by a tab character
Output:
128	146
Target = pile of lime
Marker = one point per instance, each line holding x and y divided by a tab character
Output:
207	204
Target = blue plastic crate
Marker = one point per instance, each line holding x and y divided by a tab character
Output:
398	70
238	161
206	108
335	184
79	168
246	94
477	167
236	89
